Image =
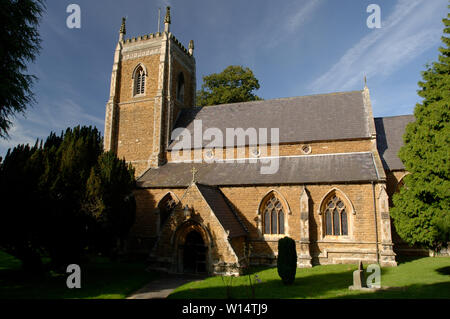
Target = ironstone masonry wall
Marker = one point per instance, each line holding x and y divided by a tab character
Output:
360	245
220	254
322	250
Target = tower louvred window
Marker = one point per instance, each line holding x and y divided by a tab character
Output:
139	85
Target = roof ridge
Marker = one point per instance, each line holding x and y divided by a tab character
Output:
280	99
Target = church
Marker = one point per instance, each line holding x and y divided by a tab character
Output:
210	207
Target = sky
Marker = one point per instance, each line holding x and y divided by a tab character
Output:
294	48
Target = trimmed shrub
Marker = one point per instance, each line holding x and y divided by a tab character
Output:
287	260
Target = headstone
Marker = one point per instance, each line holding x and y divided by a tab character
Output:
358	278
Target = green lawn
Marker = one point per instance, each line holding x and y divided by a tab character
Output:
100	279
412	278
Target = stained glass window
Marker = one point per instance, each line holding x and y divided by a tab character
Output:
329	223
273	216
344	222
274	222
336	219
281	221
266	225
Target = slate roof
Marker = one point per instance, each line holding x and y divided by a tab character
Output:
222	210
319	117
326	168
390	132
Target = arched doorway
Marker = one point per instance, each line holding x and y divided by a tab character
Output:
194	253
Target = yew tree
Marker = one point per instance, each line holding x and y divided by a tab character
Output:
421	211
109	200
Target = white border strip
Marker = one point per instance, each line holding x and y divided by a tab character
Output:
269	157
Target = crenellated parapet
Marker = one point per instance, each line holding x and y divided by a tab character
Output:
149	36
179	44
153	39
158	36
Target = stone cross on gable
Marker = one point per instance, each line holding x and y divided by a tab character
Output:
194	173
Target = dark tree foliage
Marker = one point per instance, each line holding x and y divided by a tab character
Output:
421	211
62	198
110	201
20	220
287	260
232	85
76	155
20	43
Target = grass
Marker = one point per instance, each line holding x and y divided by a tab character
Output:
101	279
413	278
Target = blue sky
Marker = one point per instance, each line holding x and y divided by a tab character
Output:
294	47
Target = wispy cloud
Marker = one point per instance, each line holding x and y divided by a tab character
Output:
46	117
404	35
278	25
20	134
300	15
290	22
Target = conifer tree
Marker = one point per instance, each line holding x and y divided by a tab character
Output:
76	154
287	260
20	44
21	221
62	197
421	211
110	201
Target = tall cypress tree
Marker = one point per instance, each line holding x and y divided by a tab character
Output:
421	211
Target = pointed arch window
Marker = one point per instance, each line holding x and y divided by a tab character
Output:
180	87
273	216
166	207
336	217
139	80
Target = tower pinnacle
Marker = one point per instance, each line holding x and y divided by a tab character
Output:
191	47
167	20
123	30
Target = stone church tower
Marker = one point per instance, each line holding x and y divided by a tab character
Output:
153	79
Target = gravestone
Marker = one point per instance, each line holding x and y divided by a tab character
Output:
358	278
